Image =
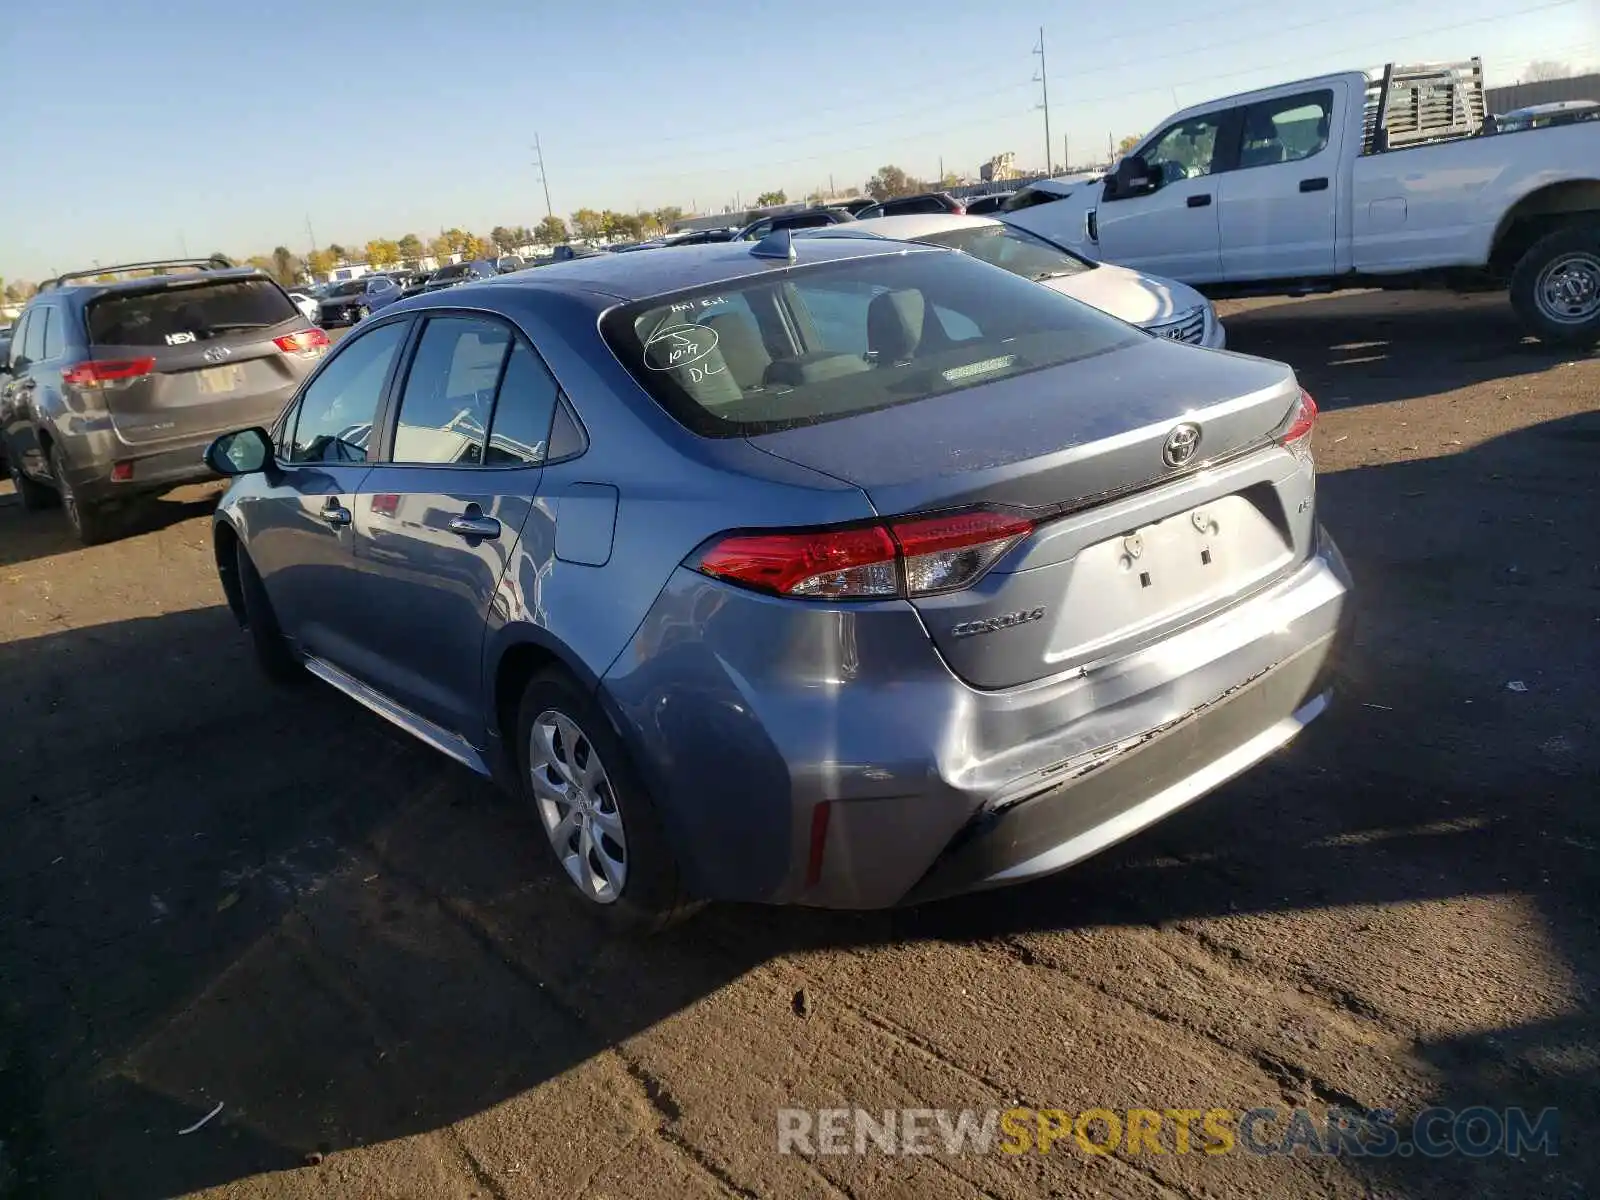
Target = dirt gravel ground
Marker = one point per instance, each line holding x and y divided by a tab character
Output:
215	892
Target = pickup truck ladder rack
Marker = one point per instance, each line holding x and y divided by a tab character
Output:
1411	105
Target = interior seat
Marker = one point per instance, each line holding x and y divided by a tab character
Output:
742	349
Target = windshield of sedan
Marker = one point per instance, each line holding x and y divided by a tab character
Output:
453	271
350	287
1017	250
819	343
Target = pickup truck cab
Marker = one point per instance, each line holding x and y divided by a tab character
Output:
1349	181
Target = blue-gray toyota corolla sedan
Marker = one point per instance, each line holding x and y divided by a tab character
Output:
827	572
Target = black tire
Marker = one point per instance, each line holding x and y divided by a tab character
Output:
91	523
277	660
651	896
34	495
1577	323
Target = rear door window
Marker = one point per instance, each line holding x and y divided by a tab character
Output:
35	334
522	412
175	316
449	392
339	406
53	339
19	338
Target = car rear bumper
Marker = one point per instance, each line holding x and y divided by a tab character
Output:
829	757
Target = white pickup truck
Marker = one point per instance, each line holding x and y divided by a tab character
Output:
1352	181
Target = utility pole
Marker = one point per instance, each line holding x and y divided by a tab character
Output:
831	192
538	161
941	170
1066	154
310	233
1044	86
184	243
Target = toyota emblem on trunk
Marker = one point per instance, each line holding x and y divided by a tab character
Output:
1181	444
217	353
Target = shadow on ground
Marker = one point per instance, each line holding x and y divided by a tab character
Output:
1363	348
220	892
30	536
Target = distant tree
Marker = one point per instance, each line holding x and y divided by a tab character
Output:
766	199
950	180
410	247
503	238
320	262
551	231
669	216
261	263
474	247
588	223
1126	145
1543	70
339	253
19	291
892	181
457	239
441	248
284	264
381	252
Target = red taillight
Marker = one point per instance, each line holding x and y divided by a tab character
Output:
819	841
830	563
913	557
956	549
960	210
307	341
107	370
121	472
1296	435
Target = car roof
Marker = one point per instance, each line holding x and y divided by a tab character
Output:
88	286
674	269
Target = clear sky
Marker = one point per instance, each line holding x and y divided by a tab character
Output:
136	128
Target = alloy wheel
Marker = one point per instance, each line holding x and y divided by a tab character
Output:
577	806
1568	289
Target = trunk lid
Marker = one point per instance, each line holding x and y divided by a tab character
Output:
1128	546
216	364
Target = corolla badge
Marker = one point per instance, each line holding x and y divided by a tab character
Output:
1005	621
1181	444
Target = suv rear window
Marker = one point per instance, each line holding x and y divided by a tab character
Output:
171	316
819	343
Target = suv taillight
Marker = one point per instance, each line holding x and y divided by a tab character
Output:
1297	430
99	372
917	556
308	342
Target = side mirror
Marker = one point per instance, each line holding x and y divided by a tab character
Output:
240	453
1132	177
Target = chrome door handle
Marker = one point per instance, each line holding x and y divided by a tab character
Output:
475	525
335	514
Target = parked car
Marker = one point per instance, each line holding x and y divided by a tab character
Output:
1292	188
353	300
508	263
991	202
461	272
699	237
569	252
308	305
162	362
810	218
854	206
831	571
1541	116
905	206
1162	307
417	285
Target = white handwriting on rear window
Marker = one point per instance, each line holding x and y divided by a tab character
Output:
179	339
680	346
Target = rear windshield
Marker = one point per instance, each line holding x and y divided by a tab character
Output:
193	312
349	287
1017	250
818	343
451	272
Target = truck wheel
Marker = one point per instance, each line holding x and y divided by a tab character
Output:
34	494
1556	286
92	523
603	830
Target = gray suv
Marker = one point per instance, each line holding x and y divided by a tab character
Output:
114	386
838	571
